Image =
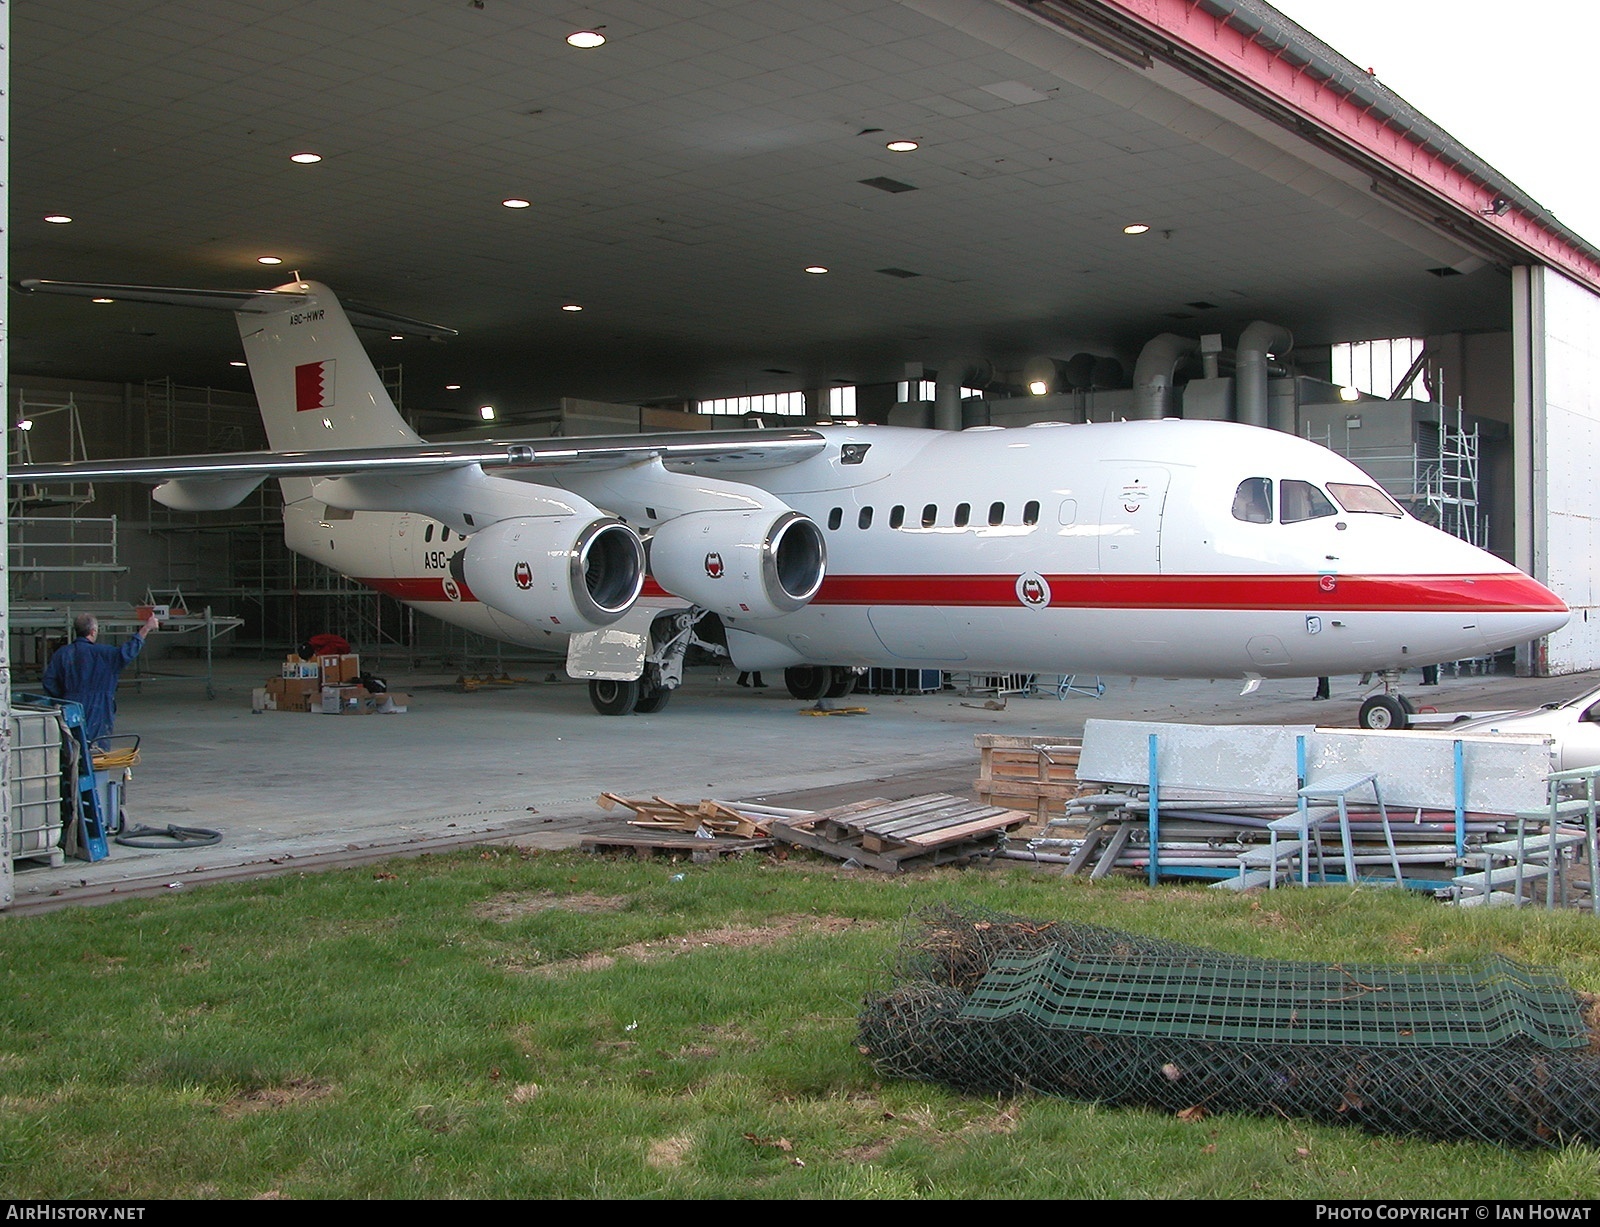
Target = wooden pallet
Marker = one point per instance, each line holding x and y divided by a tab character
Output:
660	814
672	845
1035	774
896	835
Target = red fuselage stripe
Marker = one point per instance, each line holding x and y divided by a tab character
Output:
1510	592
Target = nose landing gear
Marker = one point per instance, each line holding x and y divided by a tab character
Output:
1389	710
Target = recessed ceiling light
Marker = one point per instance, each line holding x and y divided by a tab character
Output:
395	336
102	300
236	362
486	412
1135	228
452	387
59	219
516	202
572	306
268	260
305	159
816	268
901	146
586	39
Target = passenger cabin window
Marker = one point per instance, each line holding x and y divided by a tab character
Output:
835	518
897	516
1300	500
1030	512
930	514
963	514
1363	498
997	513
864	520
427	533
1252	501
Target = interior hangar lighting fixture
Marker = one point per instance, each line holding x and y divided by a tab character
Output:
486	412
57	219
516	202
1038	387
452	387
572	306
816	268
585	39
305	159
1136	228
103	301
1349	394
395	336
268	260
901	146
24	423
236	362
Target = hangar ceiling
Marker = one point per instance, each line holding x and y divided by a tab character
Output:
680	179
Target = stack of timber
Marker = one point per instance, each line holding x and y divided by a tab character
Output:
896	835
1035	774
703	832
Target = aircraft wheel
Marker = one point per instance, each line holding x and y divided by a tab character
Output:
844	682
651	699
612	698
808	682
1385	711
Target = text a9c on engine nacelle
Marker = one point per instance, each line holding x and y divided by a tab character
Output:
556	572
740	564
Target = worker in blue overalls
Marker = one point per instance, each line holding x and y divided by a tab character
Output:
86	672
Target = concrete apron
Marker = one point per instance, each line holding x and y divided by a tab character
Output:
525	763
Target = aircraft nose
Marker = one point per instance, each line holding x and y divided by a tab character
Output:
1524	609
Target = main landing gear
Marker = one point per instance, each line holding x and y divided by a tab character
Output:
1389	710
812	682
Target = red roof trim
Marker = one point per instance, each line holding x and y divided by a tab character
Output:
1266	69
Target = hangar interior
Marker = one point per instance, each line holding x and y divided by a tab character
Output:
919	212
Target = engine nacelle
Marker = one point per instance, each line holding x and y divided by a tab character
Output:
556	572
740	564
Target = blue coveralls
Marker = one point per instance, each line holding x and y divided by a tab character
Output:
86	673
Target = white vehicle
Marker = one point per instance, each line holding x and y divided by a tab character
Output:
1168	548
1575	725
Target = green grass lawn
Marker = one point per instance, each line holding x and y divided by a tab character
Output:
506	1024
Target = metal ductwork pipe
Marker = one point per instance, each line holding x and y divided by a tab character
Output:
952	377
1250	371
1153	374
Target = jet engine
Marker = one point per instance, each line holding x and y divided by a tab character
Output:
740	564
555	572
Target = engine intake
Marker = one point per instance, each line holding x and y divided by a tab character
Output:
556	572
740	564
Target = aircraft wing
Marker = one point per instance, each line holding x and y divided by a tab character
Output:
722	451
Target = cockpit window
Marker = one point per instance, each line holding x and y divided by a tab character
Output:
1252	501
1364	498
1300	500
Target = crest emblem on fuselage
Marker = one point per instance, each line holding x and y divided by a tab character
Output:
1033	590
523	574
452	590
714	565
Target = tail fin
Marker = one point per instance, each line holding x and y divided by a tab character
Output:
316	386
314	382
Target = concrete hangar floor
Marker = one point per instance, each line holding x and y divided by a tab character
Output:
525	763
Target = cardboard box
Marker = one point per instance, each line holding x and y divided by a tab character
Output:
340	670
347	701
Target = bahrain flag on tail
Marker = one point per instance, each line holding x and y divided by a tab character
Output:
313	386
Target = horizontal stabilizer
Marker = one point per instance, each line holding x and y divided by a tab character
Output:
250	302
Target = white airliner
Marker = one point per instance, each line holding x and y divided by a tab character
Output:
1167	548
